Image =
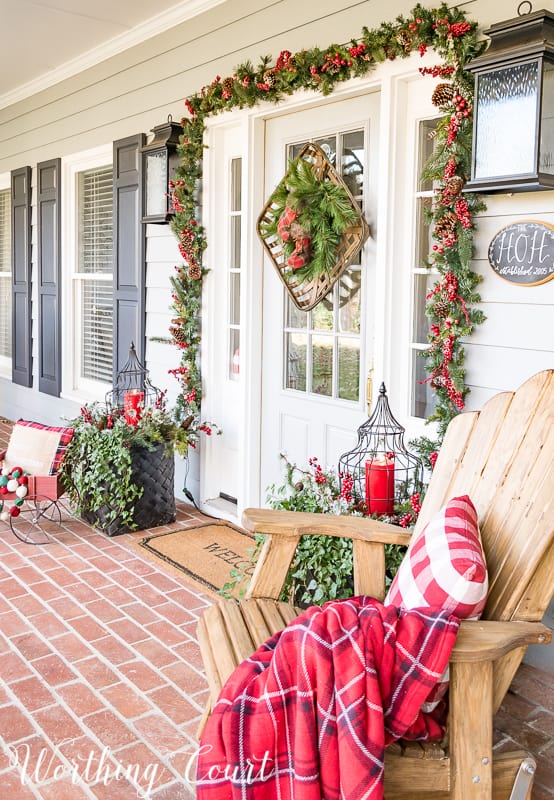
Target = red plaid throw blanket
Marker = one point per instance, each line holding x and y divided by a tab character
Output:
309	714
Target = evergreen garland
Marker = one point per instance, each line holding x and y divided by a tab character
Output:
451	303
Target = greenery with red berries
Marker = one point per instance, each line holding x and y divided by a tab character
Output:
452	302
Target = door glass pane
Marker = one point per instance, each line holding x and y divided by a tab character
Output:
235	242
322	366
352	162
294	317
424	399
234	354
349	368
322	317
422	285
349	301
329	146
295	361
333	363
234	311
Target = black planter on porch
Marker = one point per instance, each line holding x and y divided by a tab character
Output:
153	471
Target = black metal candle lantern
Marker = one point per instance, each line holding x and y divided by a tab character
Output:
383	471
513	131
133	389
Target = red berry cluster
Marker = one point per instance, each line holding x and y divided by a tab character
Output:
357	50
415	502
337	59
347	484
319	477
462	212
458	29
406	520
206	428
450	169
283	60
433	458
414	25
438	71
447	347
453	128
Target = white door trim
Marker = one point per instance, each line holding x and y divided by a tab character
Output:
390	79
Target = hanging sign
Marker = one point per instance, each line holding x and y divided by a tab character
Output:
523	253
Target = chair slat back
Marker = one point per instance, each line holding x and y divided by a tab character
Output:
503	458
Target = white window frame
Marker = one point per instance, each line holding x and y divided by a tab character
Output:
73	386
5	361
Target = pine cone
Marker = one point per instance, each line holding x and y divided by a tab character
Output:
269	78
404	40
186	423
446	225
441	309
455	184
178	334
437	382
227	86
195	272
443	95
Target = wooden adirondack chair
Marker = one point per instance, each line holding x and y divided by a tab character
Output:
503	458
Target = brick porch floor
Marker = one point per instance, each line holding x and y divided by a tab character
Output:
99	666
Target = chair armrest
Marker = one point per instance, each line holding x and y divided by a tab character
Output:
294	523
488	640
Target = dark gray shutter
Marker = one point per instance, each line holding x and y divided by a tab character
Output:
129	251
22	368
49	275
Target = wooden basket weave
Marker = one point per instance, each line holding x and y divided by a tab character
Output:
306	294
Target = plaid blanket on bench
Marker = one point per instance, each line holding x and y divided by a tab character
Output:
308	716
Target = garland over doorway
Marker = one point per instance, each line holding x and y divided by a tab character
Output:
451	305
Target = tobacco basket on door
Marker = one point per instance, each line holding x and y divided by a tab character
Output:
308	292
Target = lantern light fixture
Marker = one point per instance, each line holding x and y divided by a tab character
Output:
160	160
513	127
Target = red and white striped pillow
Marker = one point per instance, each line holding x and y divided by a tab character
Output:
444	566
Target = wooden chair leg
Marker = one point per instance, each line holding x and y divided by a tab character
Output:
471	698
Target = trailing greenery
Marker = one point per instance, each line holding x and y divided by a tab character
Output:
454	38
322	568
324	212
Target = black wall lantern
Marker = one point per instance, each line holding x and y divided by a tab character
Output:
159	163
513	129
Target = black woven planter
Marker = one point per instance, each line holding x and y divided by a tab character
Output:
154	471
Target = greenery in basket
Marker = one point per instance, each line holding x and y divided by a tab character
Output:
97	469
323	212
322	566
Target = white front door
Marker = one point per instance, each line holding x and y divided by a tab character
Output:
315	364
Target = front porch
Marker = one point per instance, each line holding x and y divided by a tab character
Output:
101	669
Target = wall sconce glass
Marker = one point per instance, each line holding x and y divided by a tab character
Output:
513	128
159	163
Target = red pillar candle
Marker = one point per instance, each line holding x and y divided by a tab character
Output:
132	405
379	484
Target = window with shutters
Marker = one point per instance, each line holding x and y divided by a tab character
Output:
5	280
93	277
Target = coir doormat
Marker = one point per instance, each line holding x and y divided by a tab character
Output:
206	553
